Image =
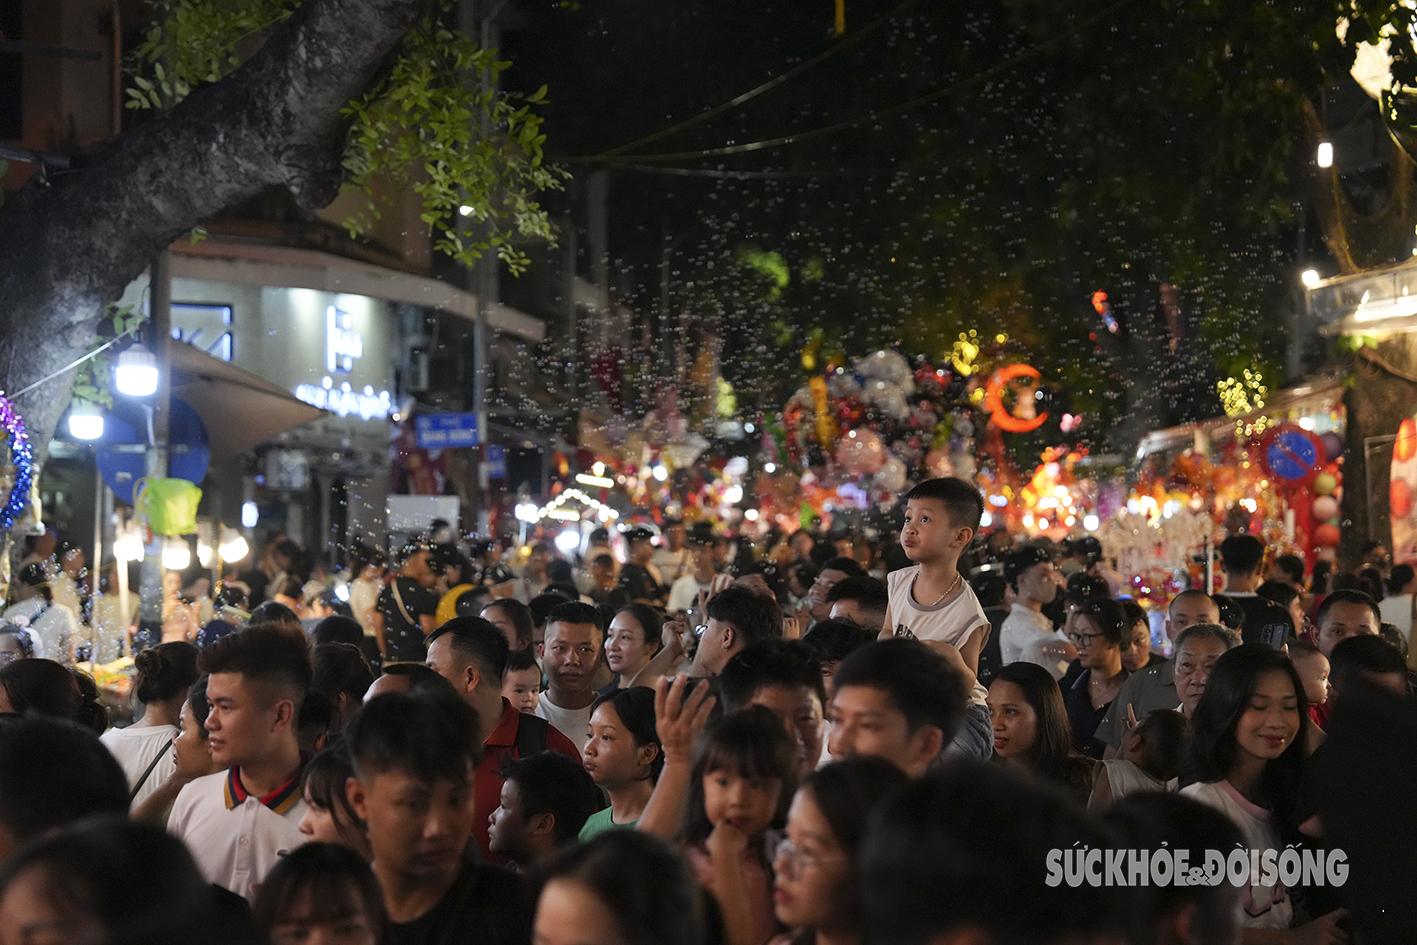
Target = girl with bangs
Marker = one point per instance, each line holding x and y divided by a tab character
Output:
329	818
744	776
322	892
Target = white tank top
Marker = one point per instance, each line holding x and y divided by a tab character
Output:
949	622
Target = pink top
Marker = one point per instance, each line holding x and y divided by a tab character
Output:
757	879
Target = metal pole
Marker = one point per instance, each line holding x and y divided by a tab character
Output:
96	565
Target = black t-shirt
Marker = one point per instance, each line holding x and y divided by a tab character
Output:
1261	612
402	635
638	584
486	905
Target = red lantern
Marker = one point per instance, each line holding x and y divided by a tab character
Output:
1326	535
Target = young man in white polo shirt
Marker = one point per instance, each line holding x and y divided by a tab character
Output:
238	822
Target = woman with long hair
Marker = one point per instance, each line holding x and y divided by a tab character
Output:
1246	758
1031	730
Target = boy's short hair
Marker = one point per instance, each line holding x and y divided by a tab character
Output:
979	826
574	611
1365	653
871	593
477	640
755	616
1084	587
266	653
921	685
420	677
832	641
1241	554
1020	560
1347	596
52	773
425	733
552	783
1293	567
519	661
1163	734
845	565
603	560
787	663
960	498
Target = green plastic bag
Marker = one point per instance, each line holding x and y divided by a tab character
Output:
169	505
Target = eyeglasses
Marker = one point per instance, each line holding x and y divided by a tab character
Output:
793	858
1085	639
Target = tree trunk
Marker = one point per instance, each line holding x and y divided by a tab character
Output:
70	245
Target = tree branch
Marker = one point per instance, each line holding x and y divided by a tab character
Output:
69	246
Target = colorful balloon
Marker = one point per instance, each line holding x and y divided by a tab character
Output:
1326	535
1325	507
1325	483
861	452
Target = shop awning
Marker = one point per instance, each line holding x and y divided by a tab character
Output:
238	408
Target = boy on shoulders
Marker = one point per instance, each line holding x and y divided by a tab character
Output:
932	602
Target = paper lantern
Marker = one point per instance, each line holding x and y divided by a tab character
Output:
1326	535
892	475
938	465
1325	483
1325	507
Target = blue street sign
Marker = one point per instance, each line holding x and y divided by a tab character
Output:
446	430
496	461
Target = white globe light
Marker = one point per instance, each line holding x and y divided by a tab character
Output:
85	421
136	374
176	556
233	546
1090	522
128	546
567	542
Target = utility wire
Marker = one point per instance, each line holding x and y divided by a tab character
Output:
748	175
798	137
765	87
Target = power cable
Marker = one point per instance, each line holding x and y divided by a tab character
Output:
798	137
767	86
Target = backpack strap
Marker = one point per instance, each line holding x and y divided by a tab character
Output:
531	735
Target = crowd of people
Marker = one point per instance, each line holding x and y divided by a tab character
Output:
711	742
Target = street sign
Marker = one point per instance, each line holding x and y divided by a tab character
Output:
446	430
496	461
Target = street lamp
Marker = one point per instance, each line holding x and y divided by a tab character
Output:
1324	158
136	374
233	546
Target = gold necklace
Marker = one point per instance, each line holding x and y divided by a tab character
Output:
948	591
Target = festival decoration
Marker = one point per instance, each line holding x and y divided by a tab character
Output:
1024	416
22	458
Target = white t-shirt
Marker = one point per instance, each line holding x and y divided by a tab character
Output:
1266	907
234	837
135	747
573	723
949	622
684	593
1397	610
1023	626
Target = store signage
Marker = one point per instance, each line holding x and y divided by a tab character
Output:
343	345
345	401
446	430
